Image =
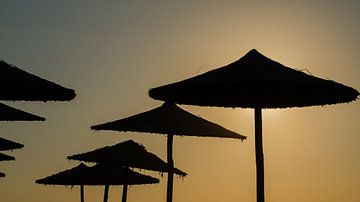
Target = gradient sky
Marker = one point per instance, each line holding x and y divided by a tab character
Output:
113	52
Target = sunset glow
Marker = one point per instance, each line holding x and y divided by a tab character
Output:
111	53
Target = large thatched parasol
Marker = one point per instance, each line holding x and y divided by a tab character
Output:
16	84
100	174
4	157
170	120
9	145
255	81
11	114
128	154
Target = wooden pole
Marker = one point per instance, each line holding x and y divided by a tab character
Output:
124	192
82	193
260	196
106	193
170	162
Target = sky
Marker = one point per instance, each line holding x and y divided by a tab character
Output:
112	52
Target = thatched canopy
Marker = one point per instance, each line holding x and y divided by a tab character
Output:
129	154
169	119
2	174
9	145
255	81
100	174
4	157
11	114
16	84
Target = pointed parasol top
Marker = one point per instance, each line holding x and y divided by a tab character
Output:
4	157
172	120
255	81
8	113
100	174
129	154
16	84
9	145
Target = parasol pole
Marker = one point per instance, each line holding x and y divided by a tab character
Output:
259	156
106	193
82	193
170	162
124	192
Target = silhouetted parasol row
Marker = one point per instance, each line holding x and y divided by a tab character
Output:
119	158
255	81
170	120
18	85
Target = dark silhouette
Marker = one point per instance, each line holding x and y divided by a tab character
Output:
9	145
16	84
100	174
11	114
4	157
170	120
128	154
2	174
255	81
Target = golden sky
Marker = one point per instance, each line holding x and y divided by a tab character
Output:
113	52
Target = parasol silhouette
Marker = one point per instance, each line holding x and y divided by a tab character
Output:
169	120
127	154
100	174
255	81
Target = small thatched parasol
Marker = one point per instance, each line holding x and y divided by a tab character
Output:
16	84
129	154
100	174
2	174
9	145
11	114
169	120
255	81
4	157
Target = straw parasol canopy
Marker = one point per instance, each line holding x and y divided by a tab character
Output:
9	145
16	84
255	81
8	113
100	174
170	120
4	157
2	174
129	154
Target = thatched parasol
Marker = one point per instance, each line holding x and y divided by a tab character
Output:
11	114
4	157
9	145
169	120
129	154
2	174
16	84
255	81
100	174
